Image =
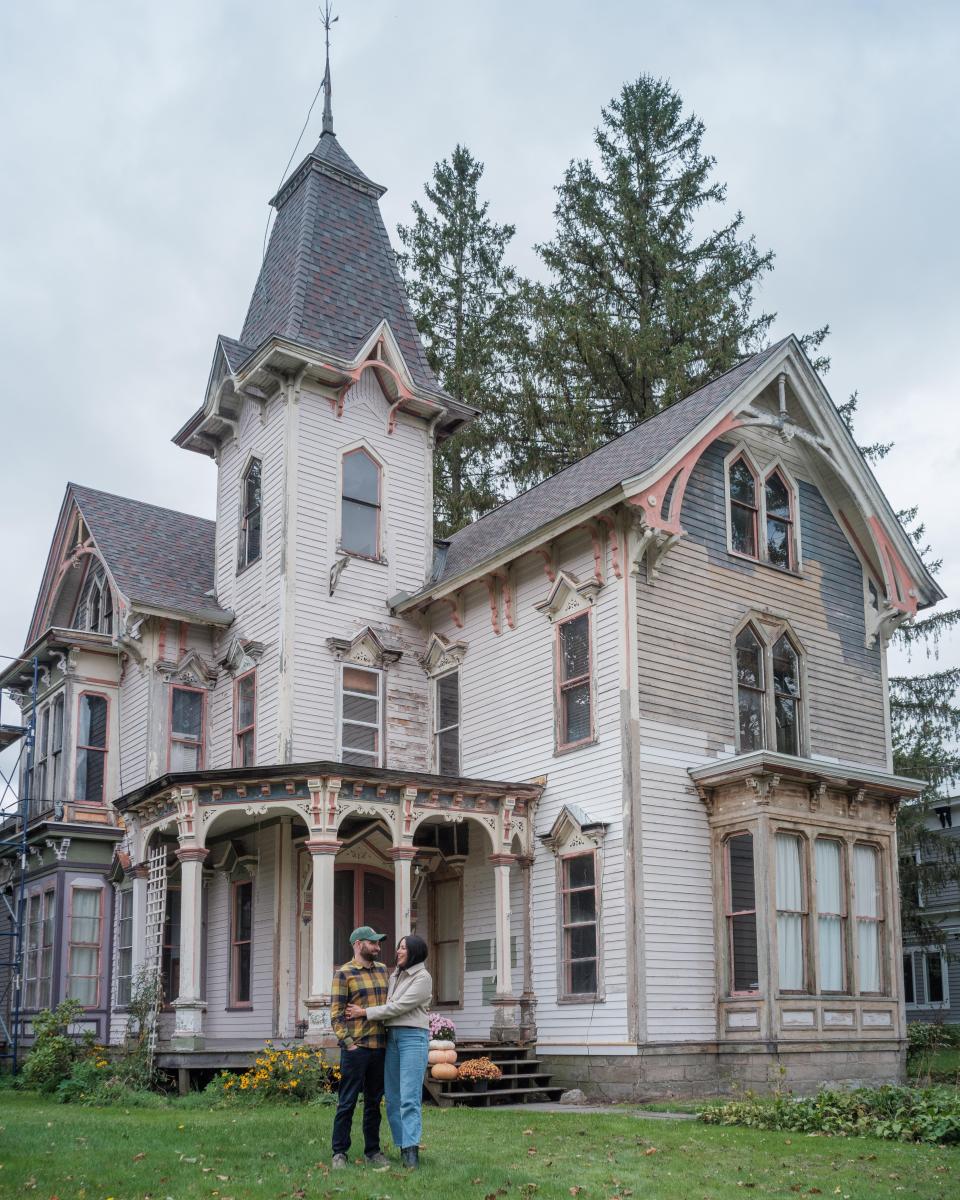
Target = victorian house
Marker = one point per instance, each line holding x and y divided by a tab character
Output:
620	750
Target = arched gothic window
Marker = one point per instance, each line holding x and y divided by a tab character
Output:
786	695
360	505
744	508
751	690
769	691
251	518
95	606
779	513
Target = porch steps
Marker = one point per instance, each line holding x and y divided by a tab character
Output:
522	1081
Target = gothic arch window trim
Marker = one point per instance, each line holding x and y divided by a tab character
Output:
95	609
770	690
362	476
250	535
762	511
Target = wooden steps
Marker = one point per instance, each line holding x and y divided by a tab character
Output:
523	1081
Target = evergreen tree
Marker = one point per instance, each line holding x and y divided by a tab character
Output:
467	305
640	308
925	727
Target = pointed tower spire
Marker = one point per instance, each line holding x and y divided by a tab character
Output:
328	20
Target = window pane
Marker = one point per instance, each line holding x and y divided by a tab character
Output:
908	993
246	699
360	708
790	951
575	648
246	750
778	498
58	724
787	729
778	542
360	737
868	948
579	871
749	659
90	767
253	539
750	706
829	878
84	990
355	680
576	713
830	938
786	667
865	881
359	759
361	477
742	484
583	941
251	487
583	978
744	947
243	973
184	756
740	860
743	528
358	533
934	979
93	721
187	713
581	906
448	700
448	744
244	909
789	873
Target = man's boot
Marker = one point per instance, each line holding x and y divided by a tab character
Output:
410	1156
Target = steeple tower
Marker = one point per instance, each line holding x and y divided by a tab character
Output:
327	89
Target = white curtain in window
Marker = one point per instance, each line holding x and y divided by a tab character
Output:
84	959
790	923
866	891
829	923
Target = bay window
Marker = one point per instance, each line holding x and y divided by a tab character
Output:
91	748
741	915
791	913
83	950
831	915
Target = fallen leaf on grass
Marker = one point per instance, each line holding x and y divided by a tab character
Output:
138	1157
650	1150
528	1133
223	1178
575	1190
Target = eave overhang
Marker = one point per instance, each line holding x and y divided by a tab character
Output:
840	775
347	772
50	646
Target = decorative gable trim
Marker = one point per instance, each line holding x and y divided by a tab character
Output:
242	655
365	649
569	596
442	655
574	829
192	670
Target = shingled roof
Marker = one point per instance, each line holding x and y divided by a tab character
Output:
330	275
157	557
636	451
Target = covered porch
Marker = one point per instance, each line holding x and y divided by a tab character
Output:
265	872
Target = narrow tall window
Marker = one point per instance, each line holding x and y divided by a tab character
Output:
909	988
831	915
786	695
791	913
41	782
741	904
447	709
241	943
34	931
779	512
245	720
750	690
45	977
92	748
580	941
574	718
95	606
170	950
124	945
361	721
447	926
186	729
360	505
934	978
251	515
743	508
83	953
869	917
56	751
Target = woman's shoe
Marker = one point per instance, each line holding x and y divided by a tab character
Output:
410	1157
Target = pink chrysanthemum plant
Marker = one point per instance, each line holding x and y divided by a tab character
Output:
442	1029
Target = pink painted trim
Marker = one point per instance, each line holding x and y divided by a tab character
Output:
454	610
491	583
548	568
651	498
162	640
377	364
591	528
104	749
507	598
901	589
611	525
202	744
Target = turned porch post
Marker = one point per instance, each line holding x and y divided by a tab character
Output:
188	1027
528	999
403	857
506	1021
323	853
138	957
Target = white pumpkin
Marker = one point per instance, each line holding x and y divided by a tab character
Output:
441	1044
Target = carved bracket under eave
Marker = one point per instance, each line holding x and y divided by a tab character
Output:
883	624
763	785
653	547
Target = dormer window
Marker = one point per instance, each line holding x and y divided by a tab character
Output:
769	690
360	505
761	512
251	515
95	606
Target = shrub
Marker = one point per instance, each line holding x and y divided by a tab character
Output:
54	1051
923	1036
297	1073
896	1113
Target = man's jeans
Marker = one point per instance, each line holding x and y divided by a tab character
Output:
360	1070
403	1075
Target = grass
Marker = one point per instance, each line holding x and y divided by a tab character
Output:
941	1066
184	1151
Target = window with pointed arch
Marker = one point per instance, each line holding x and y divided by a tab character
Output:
95	607
360	504
251	514
769	682
778	511
761	513
744	488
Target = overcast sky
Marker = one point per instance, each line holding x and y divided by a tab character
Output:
140	142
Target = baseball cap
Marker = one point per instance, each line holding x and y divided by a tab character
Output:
364	933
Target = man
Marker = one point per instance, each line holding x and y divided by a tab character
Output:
362	981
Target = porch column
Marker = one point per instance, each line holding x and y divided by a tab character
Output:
188	1027
138	957
528	1000
323	852
506	1021
403	857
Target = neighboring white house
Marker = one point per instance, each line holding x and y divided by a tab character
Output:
931	974
619	750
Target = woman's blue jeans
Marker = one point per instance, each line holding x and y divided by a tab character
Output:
403	1083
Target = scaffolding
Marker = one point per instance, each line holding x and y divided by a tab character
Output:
14	829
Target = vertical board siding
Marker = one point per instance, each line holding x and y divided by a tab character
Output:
687	616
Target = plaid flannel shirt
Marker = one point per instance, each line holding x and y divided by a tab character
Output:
358	983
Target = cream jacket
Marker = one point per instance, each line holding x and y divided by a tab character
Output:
408	999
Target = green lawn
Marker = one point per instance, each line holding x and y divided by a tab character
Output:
939	1065
184	1151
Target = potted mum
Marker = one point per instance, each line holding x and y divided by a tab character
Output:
477	1073
442	1052
442	1029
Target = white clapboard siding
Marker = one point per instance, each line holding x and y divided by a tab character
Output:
135	728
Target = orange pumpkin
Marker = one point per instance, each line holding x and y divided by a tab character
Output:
436	1056
449	1056
443	1070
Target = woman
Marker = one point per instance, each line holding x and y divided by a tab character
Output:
408	1037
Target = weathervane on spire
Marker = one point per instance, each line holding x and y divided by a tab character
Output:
328	20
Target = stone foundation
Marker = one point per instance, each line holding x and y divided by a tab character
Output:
684	1070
